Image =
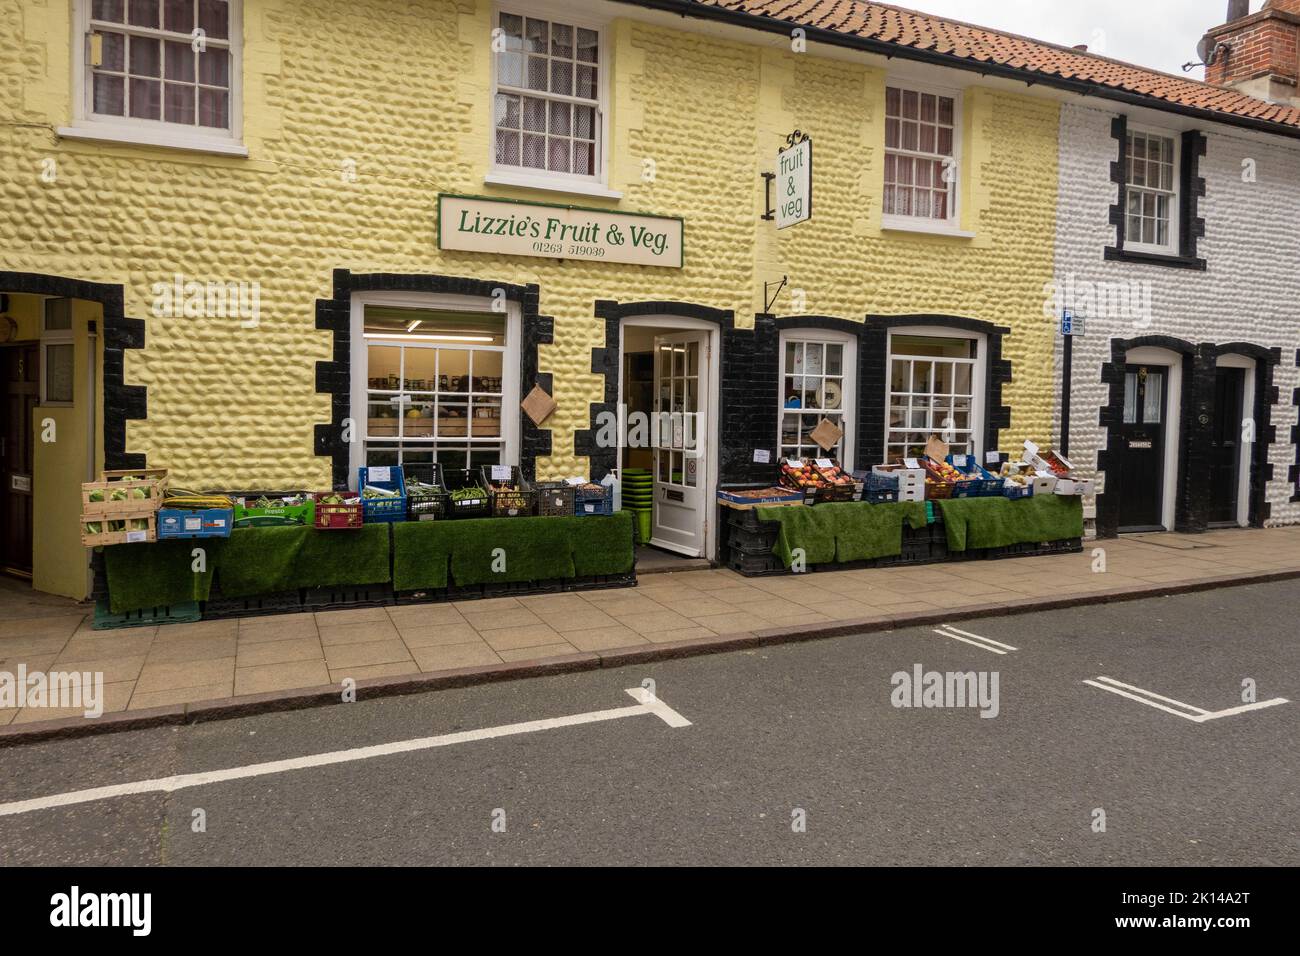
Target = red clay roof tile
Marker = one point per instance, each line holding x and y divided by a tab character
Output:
964	41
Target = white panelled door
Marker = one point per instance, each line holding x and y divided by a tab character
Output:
679	435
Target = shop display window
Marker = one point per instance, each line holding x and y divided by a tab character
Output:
435	387
932	391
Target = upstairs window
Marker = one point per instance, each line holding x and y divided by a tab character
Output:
920	156
161	64
548	115
1151	217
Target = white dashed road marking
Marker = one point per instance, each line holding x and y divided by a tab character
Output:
1176	707
966	637
647	703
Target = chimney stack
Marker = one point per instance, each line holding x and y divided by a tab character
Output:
1257	53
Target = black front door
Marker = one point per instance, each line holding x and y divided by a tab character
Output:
19	368
1225	445
1142	449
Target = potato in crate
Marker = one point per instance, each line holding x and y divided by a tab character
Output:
508	494
593	498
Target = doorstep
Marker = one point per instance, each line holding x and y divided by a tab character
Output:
210	670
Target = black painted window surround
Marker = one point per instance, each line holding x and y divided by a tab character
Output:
1191	187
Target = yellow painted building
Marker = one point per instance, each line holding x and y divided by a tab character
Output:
296	139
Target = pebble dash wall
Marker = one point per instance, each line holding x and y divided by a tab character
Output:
1246	293
403	91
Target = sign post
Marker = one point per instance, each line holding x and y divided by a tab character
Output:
794	181
1071	325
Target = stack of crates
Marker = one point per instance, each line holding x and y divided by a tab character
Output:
638	498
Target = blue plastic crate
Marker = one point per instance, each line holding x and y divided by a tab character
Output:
195	522
381	510
1014	491
590	504
984	483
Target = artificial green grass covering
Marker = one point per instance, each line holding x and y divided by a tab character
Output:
422	553
507	550
158	574
426	554
268	560
998	522
842	531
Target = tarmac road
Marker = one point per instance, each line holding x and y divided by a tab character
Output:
806	727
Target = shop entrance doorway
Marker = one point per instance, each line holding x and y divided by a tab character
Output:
669	397
1142	449
679	441
20	371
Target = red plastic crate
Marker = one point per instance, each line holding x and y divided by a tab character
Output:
331	517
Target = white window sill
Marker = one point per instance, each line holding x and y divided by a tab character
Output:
931	228
132	136
550	184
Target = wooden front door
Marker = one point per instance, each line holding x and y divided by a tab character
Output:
19	371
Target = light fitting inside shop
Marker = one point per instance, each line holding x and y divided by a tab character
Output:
429	325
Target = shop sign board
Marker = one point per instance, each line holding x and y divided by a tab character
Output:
794	182
513	228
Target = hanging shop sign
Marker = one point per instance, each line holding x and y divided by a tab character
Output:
512	228
794	181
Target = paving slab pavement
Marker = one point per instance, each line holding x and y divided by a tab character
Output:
163	673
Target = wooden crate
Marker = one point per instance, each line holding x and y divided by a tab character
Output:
152	481
127	534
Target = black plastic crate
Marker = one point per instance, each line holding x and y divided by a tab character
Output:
1037	549
323	599
755	565
554	499
433	595
518	503
457	479
426	505
752	542
521	588
595	582
281	602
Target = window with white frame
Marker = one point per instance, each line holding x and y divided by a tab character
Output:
162	63
548	97
920	155
437	386
1151	220
934	389
817	382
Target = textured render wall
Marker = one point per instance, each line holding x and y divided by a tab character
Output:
403	90
1247	293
